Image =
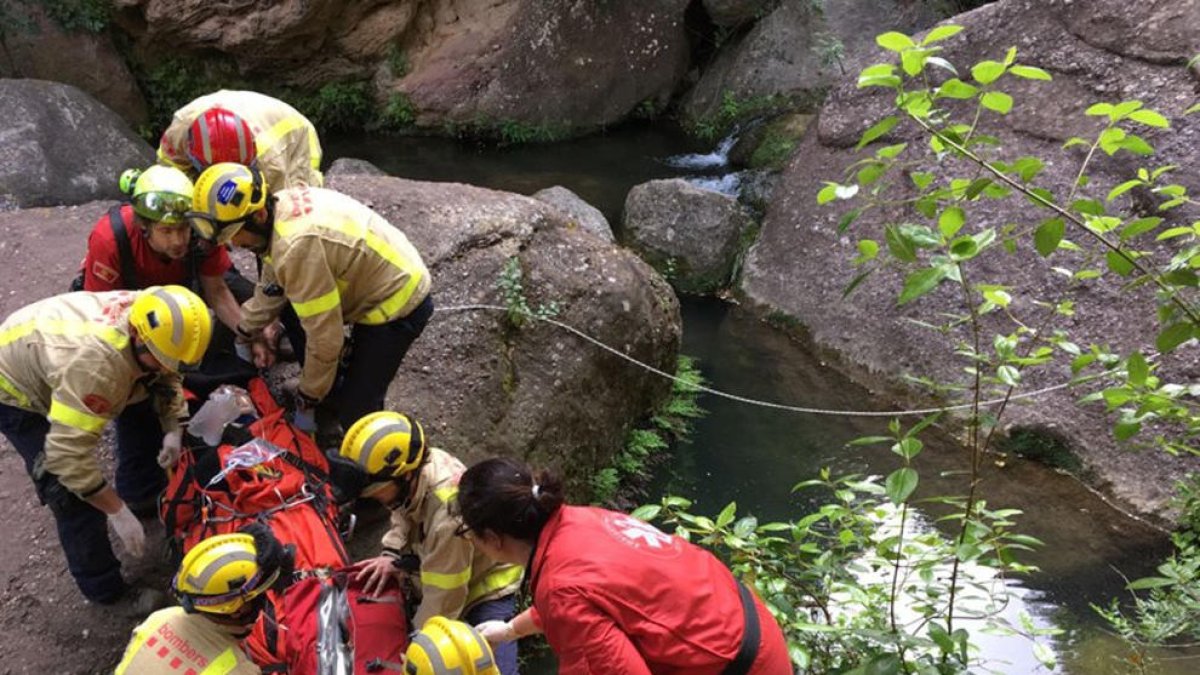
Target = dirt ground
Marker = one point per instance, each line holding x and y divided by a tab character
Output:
45	624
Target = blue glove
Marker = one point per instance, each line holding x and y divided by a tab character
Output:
304	420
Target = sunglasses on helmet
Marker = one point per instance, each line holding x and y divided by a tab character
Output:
213	230
162	207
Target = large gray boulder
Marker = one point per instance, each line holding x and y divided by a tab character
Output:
577	209
483	386
691	234
800	264
60	146
796	52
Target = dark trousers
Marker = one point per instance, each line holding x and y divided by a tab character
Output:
500	609
139	478
82	528
375	355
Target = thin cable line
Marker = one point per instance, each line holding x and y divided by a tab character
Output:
745	399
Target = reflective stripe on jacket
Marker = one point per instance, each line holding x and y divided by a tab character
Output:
454	576
289	151
337	262
69	358
173	642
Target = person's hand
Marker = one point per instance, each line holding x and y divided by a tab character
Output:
172	446
129	530
497	632
376	573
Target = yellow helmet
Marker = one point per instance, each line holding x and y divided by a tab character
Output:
385	443
444	646
221	574
160	194
174	324
226	195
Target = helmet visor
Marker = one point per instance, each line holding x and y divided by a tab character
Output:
161	207
212	230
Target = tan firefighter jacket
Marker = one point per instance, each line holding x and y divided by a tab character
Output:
337	262
289	152
70	358
454	576
173	642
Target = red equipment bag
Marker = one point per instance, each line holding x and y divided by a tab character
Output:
328	625
283	483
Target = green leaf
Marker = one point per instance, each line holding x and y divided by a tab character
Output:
1118	263
878	70
1126	430
1195	107
987	72
870	440
726	515
1147	583
901	247
908	447
1048	235
827	193
901	484
1174	335
1009	375
964	248
1074	140
1122	189
647	513
879	129
997	101
1030	73
913	61
891	151
941	33
921	282
893	41
977	186
1010	56
951	221
1138	369
1150	119
849	217
1139	226
868	249
1098	109
1123	109
956	89
921	179
1137	145
855	282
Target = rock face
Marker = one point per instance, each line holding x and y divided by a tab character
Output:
346	166
59	146
484	387
793	52
556	64
40	49
691	234
800	264
579	211
729	13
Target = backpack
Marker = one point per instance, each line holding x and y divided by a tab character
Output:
328	625
129	276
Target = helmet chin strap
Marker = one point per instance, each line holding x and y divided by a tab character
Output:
265	230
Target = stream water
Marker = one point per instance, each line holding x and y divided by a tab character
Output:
754	455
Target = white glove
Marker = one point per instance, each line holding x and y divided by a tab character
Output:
129	531
172	445
497	632
243	351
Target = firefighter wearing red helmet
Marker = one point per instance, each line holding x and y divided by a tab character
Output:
244	127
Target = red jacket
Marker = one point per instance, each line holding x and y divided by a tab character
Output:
616	595
102	265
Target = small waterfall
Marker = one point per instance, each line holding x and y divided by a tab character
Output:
717	159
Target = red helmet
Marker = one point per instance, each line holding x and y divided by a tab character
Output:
217	136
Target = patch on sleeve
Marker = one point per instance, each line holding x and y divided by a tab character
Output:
97	404
105	273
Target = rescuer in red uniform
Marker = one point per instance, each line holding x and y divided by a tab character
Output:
612	593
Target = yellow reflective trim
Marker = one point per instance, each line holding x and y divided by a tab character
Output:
109	334
501	578
317	305
225	663
386	310
65	414
11	389
314	150
446	581
271	136
445	494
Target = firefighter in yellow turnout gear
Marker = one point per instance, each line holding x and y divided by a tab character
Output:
418	484
221	585
248	128
68	365
328	260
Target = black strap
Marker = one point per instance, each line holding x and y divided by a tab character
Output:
751	635
129	278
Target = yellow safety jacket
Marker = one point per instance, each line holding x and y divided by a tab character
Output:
173	642
454	576
70	358
289	152
337	262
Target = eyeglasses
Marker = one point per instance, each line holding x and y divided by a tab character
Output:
161	207
213	230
